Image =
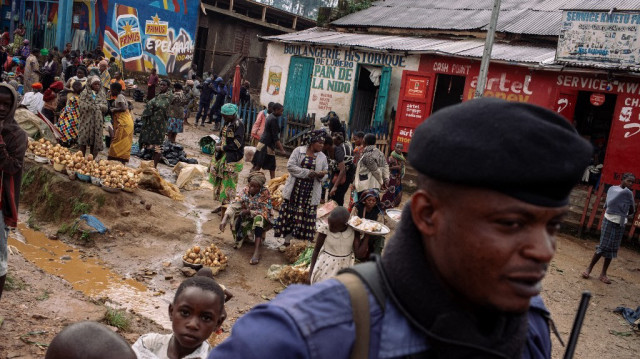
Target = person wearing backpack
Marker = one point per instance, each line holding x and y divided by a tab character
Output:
462	274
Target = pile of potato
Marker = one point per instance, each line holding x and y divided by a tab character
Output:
210	256
46	149
112	174
115	175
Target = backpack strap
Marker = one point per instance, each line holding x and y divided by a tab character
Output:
369	273
361	315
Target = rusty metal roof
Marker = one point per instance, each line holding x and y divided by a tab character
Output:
471	48
534	17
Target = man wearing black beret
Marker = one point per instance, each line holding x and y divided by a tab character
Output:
461	276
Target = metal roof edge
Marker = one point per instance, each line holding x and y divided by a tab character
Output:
410	52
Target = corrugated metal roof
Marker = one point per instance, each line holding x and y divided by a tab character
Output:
472	48
534	17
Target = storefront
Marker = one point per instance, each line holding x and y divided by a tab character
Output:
605	109
362	87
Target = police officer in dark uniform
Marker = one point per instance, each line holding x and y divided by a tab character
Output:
461	276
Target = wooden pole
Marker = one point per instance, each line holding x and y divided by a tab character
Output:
264	13
215	44
231	5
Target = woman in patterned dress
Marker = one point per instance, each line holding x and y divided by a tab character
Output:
393	196
93	106
120	149
228	159
68	122
307	167
154	121
250	213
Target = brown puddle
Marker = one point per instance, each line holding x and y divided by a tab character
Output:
86	274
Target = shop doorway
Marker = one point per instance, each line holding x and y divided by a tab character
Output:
449	91
594	122
369	96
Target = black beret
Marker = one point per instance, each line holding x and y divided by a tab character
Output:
525	151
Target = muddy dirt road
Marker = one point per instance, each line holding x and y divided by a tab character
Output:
137	267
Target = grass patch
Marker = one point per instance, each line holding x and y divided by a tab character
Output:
117	318
44	295
85	236
13	283
28	177
79	207
69	229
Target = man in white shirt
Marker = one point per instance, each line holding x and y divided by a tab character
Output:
33	100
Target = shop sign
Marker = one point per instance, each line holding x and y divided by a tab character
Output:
596	37
404	135
504	86
416	87
597	99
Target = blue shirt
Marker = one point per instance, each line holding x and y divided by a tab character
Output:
316	322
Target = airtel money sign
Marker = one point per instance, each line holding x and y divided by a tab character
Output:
504	87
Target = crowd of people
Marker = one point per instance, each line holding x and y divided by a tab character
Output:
459	278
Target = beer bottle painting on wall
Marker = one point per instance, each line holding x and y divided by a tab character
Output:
129	37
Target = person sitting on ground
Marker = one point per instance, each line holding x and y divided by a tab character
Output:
258	127
369	208
335	247
265	157
33	100
618	207
89	340
250	213
196	312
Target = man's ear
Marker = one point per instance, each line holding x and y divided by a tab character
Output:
423	207
171	312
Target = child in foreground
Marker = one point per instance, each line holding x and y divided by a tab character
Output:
196	312
335	247
88	340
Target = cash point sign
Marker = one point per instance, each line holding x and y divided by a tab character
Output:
158	35
600	37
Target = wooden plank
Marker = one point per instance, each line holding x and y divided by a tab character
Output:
247	18
596	205
584	211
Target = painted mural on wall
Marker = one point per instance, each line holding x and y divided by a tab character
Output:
600	37
160	35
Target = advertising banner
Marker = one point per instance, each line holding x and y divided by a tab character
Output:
600	37
153	35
